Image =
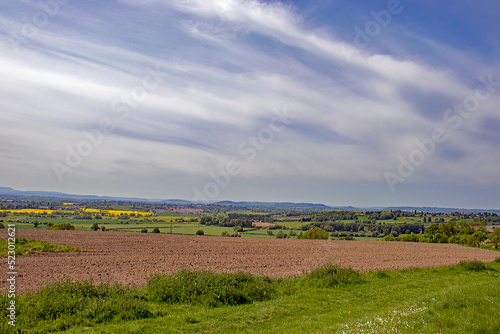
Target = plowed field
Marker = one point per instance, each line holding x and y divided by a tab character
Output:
129	258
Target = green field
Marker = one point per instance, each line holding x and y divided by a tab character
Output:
455	299
291	224
187	223
25	247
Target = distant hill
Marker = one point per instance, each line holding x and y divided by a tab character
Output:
436	209
7	191
276	204
59	195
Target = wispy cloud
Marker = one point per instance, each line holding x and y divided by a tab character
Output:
226	67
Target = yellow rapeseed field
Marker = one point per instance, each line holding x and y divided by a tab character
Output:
91	210
38	211
106	212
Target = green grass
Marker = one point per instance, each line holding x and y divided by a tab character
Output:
366	238
25	247
65	304
263	233
191	228
292	224
162	221
455	299
209	289
177	228
177	215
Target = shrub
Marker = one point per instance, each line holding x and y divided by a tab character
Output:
474	265
315	233
208	288
409	237
156	230
497	260
62	226
281	235
495	237
381	274
94	227
144	230
405	238
330	276
224	234
25	247
63	304
2	225
200	232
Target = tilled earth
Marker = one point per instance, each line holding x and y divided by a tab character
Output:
130	258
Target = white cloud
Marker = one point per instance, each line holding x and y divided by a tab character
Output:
239	62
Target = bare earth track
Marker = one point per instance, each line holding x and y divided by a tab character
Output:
130	258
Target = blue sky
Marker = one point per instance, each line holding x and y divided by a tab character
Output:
338	102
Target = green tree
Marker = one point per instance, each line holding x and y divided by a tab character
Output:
200	232
94	227
315	233
156	230
281	235
62	226
495	237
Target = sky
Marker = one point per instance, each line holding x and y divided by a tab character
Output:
363	103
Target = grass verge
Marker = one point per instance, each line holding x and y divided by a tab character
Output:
454	299
209	289
25	247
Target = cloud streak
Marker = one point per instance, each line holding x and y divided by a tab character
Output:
227	67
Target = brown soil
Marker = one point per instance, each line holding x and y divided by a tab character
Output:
130	258
260	224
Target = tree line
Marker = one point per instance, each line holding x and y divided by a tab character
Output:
460	232
235	219
381	229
